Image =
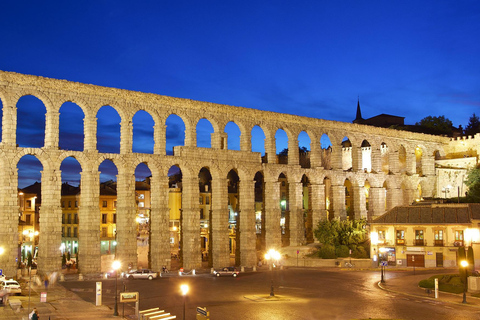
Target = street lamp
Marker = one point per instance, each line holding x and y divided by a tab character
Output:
273	255
116	266
464	265
184	288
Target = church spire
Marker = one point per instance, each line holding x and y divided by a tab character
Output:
359	113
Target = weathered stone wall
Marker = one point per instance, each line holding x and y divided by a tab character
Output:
190	159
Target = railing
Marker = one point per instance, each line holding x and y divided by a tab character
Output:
438	243
419	242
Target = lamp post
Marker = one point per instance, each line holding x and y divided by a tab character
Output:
184	288
273	255
116	265
464	265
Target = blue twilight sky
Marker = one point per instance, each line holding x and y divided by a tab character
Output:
310	58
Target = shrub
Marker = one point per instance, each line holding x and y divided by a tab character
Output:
427	283
327	252
342	251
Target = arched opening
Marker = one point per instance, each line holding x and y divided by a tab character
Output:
281	146
108	130
71	133
175	133
260	211
258	141
326	156
234	215
285	210
233	136
205	185
346	154
143	124
384	157
30	122
204	131
70	200
175	207
349	199
108	209
304	149
29	203
418	160
143	199
366	156
418	195
387	204
307	208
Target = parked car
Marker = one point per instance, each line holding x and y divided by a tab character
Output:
227	271
11	287
141	274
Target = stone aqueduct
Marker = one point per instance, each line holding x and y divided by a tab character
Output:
395	186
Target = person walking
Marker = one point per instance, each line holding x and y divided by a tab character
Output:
35	315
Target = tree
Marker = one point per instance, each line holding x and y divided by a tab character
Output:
435	125
473	125
473	184
341	234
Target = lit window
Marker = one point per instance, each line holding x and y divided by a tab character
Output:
104	204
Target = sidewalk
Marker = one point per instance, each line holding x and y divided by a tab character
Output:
408	285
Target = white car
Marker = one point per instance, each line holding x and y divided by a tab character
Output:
11	287
141	274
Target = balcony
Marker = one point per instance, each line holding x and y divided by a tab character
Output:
419	242
458	243
438	243
400	242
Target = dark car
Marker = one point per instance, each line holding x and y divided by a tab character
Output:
227	271
141	274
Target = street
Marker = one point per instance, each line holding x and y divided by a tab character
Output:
300	293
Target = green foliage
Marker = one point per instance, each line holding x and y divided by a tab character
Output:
447	283
473	125
473	184
436	125
470	258
342	251
342	235
327	251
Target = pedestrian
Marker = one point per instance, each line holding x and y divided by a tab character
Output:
46	282
35	315
30	315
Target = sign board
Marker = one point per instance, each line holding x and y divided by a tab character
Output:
128	296
43	297
202	311
202	314
384	263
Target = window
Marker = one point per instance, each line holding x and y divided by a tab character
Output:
29	204
141	196
114	218
207	199
28	218
69	204
438	237
141	204
200	200
419	238
69	232
201	213
400	237
104	232
63	231
75	232
381	236
69	218
104	218
76	204
75	218
104	204
115	203
458	238
63	218
63	204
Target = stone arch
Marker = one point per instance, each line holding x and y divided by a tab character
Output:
304	148
108	140
204	130
418	160
327	182
232	130
349	200
285	208
259	198
71	127
281	146
368	204
30	116
402	159
326	148
366	156
143	132
307	207
175	132
233	185
206	201
258	141
346	154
